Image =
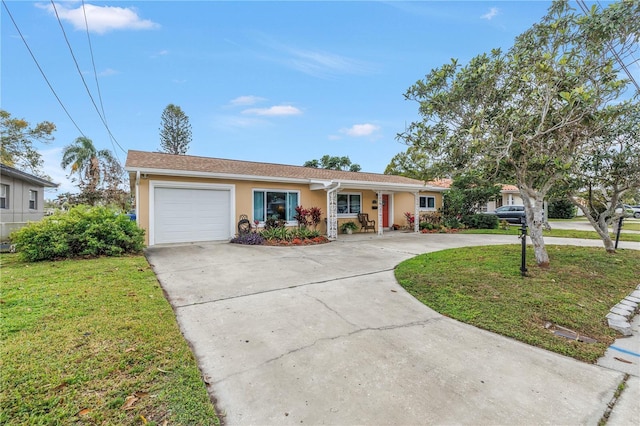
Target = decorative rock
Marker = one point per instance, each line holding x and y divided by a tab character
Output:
630	303
620	311
622	326
620	315
624	307
615	317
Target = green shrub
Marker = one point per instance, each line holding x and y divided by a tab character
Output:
452	222
428	226
481	221
81	232
561	209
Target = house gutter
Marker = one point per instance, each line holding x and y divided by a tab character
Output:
138	197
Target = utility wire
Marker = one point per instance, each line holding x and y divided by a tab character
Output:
95	74
82	77
585	10
40	68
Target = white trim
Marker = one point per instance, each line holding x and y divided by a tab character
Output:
153	184
349	215
138	198
35	201
287	191
427	208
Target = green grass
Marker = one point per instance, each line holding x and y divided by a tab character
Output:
482	286
628	225
561	233
81	339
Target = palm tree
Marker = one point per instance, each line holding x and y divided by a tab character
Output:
86	162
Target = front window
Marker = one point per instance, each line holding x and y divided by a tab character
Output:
427	203
349	204
33	200
278	204
4	196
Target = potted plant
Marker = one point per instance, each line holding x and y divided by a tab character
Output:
348	227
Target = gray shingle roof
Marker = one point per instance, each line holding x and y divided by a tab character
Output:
154	161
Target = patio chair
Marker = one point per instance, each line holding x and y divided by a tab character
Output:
365	223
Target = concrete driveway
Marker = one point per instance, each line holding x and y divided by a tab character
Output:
324	335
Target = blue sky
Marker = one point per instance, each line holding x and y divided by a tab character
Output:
280	82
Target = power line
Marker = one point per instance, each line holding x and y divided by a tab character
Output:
40	68
95	74
585	10
82	77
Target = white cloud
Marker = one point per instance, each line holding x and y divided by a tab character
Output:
101	19
360	130
246	100
491	13
159	54
276	110
322	64
314	62
108	72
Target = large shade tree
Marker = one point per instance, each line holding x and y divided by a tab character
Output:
17	138
522	115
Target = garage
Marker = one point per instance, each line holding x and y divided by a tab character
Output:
190	214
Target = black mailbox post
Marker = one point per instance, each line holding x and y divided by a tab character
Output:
523	238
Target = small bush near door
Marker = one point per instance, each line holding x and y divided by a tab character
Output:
83	231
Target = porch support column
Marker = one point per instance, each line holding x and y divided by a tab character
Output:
416	212
380	207
332	214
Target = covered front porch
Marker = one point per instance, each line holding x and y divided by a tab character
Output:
385	204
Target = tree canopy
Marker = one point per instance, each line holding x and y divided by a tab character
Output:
99	172
333	163
175	130
17	138
524	114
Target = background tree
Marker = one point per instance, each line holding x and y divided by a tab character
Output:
17	139
413	163
523	115
91	166
608	169
333	163
467	195
175	131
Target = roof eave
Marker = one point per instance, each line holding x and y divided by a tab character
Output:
34	180
314	183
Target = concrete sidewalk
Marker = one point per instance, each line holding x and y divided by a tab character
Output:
325	335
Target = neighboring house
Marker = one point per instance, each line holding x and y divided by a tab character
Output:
21	199
181	198
510	196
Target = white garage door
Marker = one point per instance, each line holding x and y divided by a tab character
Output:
186	215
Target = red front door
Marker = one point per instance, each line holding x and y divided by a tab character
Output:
385	211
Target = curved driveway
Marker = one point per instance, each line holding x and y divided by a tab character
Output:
324	335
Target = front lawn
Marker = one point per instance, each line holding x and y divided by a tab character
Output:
561	233
482	286
94	342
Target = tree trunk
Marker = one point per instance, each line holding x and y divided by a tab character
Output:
534	212
600	225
